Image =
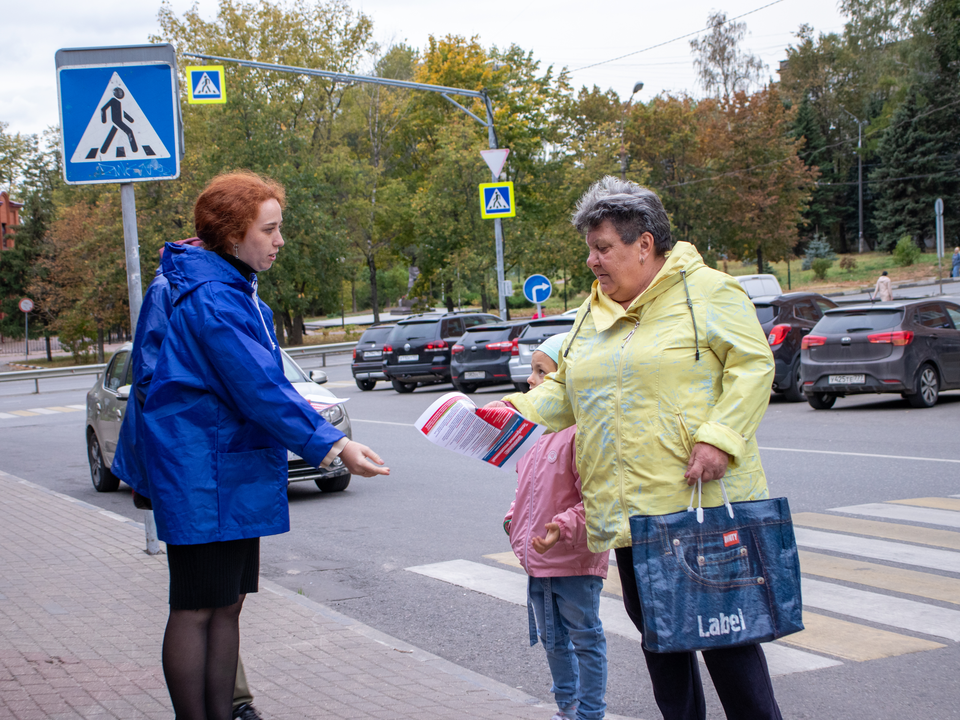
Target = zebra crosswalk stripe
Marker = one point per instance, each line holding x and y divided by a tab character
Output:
925	557
927	516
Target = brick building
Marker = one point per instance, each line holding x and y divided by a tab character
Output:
9	218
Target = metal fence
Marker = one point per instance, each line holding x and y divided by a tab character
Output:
38	347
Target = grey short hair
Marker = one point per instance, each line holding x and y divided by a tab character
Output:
631	208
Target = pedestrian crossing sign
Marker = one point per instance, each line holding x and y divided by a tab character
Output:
497	201
205	85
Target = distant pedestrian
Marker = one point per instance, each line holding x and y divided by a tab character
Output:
883	290
565	578
955	272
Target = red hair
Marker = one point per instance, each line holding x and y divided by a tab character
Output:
230	204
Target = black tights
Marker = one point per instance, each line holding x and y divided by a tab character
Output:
200	650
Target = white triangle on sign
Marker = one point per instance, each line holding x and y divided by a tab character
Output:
118	130
497	202
495	159
205	87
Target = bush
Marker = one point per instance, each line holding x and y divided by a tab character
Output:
819	247
848	263
820	267
906	252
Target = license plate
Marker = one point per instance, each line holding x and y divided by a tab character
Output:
408	358
372	354
474	375
847	379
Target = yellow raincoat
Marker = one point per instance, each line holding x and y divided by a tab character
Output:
640	397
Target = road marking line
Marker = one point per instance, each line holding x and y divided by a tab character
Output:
24	413
884	577
611	584
932	502
77	407
867	455
45	411
382	422
512	587
64	409
924	557
6	416
884	609
875	528
852	641
926	516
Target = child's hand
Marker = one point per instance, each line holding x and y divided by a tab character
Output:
541	545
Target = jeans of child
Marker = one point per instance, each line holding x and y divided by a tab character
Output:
567	612
739	674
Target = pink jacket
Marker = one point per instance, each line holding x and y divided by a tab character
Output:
548	490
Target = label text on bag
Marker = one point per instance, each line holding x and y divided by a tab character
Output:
723	625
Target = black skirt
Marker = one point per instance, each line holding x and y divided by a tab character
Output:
212	575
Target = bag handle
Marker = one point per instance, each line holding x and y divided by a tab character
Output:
698	490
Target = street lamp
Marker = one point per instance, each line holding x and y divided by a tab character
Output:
860	124
623	148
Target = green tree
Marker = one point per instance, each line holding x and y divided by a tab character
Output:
723	68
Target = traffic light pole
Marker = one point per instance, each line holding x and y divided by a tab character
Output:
444	91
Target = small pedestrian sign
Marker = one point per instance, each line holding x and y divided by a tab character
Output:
205	85
497	201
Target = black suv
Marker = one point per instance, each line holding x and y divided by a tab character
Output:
418	349
482	356
786	319
367	365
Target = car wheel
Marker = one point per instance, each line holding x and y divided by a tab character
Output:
366	384
103	479
521	387
793	390
334	484
928	388
465	388
821	400
403	387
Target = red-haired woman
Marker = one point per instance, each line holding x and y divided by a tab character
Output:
218	419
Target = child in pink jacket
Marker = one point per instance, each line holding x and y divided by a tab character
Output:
563	590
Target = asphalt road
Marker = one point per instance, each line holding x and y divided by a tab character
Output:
351	549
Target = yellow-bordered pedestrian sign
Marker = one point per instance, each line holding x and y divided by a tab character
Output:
497	201
205	85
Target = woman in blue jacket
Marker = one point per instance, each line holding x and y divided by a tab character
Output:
218	419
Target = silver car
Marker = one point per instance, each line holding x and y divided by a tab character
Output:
107	400
534	334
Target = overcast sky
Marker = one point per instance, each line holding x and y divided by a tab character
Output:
559	32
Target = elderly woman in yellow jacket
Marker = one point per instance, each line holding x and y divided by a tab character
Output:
666	375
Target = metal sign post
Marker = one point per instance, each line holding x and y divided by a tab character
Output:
938	212
26	305
120	120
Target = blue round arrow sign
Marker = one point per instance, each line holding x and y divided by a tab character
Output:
537	288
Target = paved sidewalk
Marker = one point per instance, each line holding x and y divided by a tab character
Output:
82	612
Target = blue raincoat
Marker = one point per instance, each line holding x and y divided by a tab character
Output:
219	413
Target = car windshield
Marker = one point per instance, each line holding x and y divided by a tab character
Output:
376	335
413	331
486	333
292	371
539	331
766	313
859	321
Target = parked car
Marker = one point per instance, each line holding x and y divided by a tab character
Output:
367	365
760	285
785	319
107	401
534	334
481	357
417	351
907	347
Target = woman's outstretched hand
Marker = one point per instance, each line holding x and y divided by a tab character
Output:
357	459
706	463
541	545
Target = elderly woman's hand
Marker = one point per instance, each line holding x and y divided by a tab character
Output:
706	463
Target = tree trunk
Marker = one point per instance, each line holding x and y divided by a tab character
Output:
278	328
296	330
46	339
353	295
374	300
484	301
448	293
99	345
759	258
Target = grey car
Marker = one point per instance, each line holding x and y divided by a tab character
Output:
107	401
534	334
907	347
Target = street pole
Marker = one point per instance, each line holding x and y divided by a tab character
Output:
860	182
497	224
26	336
131	248
623	147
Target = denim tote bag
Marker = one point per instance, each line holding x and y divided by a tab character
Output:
717	577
